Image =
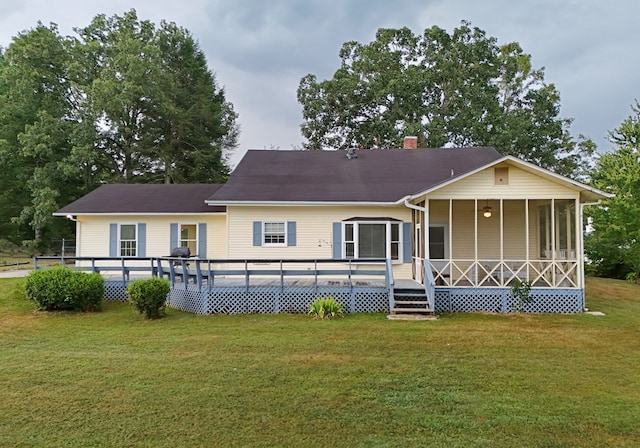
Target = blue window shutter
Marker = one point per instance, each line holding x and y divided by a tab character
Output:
173	236
407	236
291	233
113	240
257	233
337	240
142	240
202	240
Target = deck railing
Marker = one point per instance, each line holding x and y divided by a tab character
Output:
206	273
120	267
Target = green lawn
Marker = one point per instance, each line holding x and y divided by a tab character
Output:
112	379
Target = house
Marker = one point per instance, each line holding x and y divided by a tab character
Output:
463	223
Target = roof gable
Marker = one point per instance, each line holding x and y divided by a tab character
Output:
587	193
144	198
374	176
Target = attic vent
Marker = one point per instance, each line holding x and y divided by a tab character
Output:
351	153
501	175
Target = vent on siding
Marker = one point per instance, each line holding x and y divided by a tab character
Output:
501	175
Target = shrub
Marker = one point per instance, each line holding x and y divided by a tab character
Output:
521	290
149	296
61	288
325	308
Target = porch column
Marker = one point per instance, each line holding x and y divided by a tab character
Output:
579	243
501	239
450	230
527	237
553	242
425	233
475	235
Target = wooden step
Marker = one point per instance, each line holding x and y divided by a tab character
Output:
412	317
411	310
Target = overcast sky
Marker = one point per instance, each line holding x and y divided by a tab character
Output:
260	49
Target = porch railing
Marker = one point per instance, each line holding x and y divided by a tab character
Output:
541	273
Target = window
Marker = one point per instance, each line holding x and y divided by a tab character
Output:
189	237
375	239
127	240
275	234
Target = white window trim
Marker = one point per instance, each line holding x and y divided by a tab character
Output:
180	224
264	233
356	243
137	242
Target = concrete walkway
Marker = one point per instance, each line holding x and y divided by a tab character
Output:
15	273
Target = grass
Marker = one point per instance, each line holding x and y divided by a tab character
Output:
112	379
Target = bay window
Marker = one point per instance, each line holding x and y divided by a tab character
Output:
371	239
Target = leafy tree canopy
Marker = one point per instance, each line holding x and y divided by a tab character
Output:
458	89
123	100
614	245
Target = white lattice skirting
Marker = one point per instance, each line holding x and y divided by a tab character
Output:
499	300
272	299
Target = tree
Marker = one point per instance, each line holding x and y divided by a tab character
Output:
158	112
458	89
35	127
123	101
614	245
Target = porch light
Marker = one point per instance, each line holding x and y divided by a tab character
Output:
486	211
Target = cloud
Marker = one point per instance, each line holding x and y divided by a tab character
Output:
261	49
276	35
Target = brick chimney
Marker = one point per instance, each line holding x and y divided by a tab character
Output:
410	143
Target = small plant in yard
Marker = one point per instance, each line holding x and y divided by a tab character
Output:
61	288
149	296
325	308
521	290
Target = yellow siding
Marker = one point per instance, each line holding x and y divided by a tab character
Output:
93	233
522	184
314	230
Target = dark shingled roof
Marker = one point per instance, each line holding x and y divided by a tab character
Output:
330	176
145	198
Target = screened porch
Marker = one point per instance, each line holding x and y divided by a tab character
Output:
492	242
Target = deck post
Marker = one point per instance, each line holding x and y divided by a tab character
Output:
352	295
315	278
246	276
125	275
185	273
276	300
199	275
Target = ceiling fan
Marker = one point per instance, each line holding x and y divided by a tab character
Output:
487	210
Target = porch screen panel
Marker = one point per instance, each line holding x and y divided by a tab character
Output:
515	230
372	240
